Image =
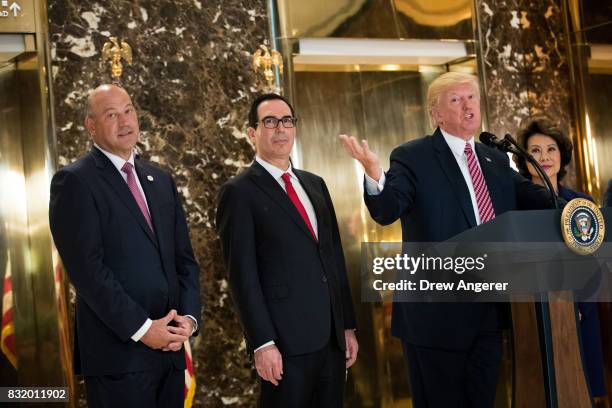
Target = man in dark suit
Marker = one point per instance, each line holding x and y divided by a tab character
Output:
286	268
440	186
119	226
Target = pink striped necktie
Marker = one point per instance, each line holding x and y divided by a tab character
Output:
483	199
128	169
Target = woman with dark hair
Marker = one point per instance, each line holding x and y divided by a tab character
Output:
553	151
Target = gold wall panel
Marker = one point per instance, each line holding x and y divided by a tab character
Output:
387	109
20	18
598	125
435	13
338	18
440	19
43	356
24	174
417	19
591	67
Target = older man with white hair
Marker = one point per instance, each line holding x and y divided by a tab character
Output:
440	186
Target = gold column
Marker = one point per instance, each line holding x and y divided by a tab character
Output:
585	143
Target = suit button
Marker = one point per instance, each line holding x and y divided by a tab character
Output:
324	279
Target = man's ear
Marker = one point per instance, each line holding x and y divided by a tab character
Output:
89	125
251	134
435	114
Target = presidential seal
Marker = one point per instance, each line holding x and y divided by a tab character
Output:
582	226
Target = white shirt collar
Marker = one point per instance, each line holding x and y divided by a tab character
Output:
275	171
456	144
117	161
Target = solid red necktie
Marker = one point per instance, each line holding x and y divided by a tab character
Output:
297	203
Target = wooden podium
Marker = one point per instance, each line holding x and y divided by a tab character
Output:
548	364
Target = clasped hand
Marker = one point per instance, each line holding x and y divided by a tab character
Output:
165	337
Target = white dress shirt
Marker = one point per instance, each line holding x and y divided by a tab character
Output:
119	162
301	193
457	146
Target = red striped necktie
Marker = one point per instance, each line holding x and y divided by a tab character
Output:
483	199
297	203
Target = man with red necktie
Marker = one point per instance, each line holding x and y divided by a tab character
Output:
119	226
440	186
286	268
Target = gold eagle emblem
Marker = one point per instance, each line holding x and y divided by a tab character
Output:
114	51
265	60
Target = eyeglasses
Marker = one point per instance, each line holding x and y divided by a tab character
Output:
270	122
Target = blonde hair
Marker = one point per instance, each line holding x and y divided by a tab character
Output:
442	84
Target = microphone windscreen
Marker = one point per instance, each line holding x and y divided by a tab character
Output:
488	138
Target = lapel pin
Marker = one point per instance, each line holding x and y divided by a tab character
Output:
487	159
150	178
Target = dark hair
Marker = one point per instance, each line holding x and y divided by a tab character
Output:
545	127
253	119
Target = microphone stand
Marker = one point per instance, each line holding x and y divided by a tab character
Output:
536	165
541	305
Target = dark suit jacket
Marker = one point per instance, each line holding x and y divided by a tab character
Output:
122	272
425	188
286	285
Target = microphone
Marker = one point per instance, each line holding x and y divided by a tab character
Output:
509	145
504	145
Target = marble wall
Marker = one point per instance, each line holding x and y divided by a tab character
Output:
526	71
192	84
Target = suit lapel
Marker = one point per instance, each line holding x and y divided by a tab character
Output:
112	176
151	193
314	194
455	177
268	185
492	178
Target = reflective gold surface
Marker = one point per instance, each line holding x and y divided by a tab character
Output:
422	19
440	19
338	18
26	163
20	18
591	69
385	108
438	13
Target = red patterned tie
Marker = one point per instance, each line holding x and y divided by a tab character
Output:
128	169
483	199
296	201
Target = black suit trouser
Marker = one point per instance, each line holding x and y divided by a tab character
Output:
309	380
162	387
442	378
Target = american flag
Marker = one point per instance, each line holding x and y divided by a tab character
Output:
7	338
190	381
